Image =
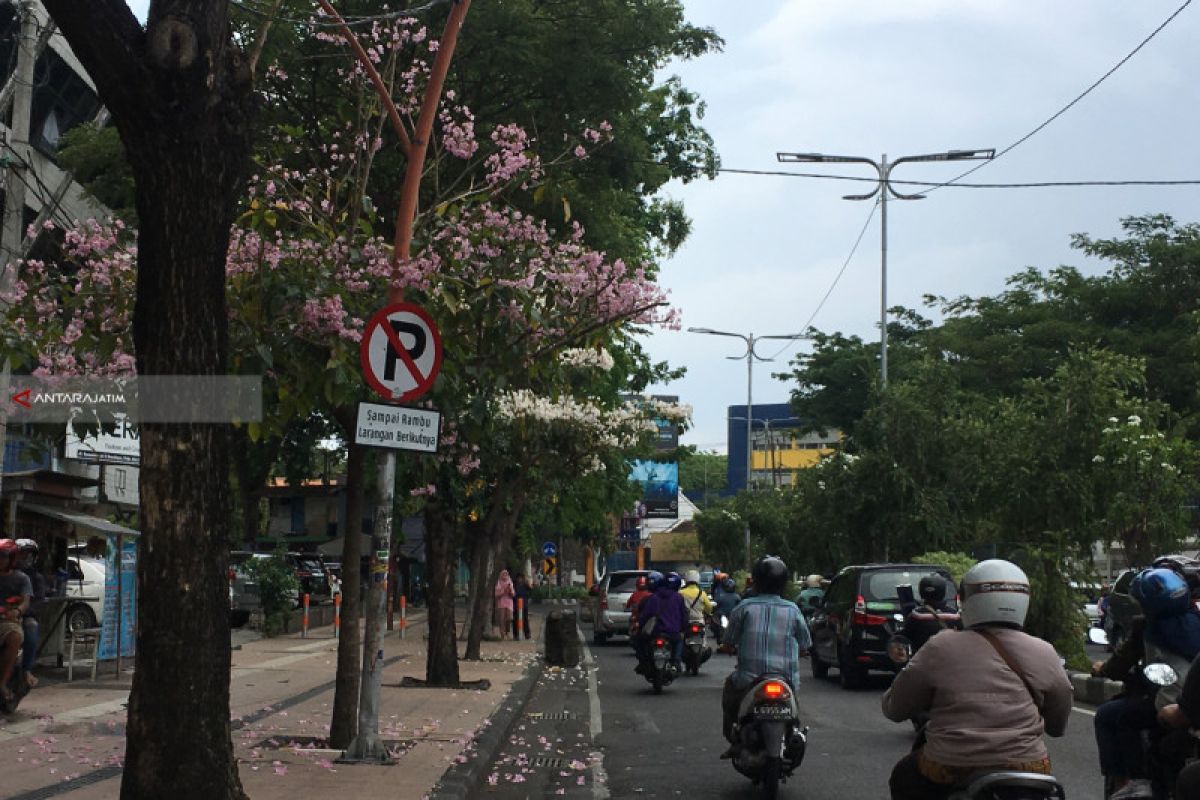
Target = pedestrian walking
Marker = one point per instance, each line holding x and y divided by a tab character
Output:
524	594
504	603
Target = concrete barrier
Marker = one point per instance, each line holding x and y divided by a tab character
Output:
1094	691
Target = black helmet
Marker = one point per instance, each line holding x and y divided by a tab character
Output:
932	589
673	581
770	575
729	585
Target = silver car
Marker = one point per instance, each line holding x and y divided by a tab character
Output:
609	617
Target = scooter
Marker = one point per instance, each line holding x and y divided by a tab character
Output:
769	739
17	683
695	651
661	670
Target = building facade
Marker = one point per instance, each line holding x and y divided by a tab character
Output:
778	450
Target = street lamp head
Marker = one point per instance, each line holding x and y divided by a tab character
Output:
818	158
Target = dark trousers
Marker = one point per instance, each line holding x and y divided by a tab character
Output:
907	782
32	636
731	698
1187	787
1119	725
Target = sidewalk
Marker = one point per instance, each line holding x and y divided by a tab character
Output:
67	739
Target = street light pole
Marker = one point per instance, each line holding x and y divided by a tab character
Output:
883	169
750	340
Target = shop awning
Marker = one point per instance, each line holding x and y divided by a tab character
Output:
78	518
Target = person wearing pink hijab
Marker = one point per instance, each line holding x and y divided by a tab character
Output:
504	603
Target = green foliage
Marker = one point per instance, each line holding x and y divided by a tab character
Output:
702	475
1055	612
277	588
96	157
957	563
552	592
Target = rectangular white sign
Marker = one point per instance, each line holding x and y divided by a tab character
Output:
117	443
397	427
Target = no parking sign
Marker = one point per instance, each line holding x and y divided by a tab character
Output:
401	352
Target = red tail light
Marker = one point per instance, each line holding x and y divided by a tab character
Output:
660	642
774	689
860	617
697	629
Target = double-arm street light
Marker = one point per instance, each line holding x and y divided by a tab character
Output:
883	187
750	356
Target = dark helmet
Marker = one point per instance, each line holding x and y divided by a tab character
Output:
653	580
1161	593
1186	567
9	551
729	585
770	575
673	581
641	582
932	589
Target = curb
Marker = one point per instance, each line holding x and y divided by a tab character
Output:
1093	690
458	781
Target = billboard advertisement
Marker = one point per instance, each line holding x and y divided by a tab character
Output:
660	487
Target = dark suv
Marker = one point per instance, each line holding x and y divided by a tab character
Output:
851	627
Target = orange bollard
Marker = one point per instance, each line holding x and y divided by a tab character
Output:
518	619
304	623
403	614
337	614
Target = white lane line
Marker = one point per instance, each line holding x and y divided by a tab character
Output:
1083	711
595	723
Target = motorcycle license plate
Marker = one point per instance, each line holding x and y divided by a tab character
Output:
772	711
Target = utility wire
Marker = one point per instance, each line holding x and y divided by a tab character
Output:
1071	104
315	22
842	271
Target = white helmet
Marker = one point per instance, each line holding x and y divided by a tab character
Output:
27	546
691	576
813	581
995	592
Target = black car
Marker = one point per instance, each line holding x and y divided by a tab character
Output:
857	616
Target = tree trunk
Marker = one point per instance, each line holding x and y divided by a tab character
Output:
471	551
483	580
181	98
252	463
344	725
441	660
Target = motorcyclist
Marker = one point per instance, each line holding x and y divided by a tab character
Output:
932	615
1172	635
809	599
989	691
13	583
640	636
1181	715
640	593
695	599
770	635
663	614
726	602
29	624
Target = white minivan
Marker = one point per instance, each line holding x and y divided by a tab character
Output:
85	587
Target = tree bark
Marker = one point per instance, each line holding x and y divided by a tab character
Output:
180	97
441	659
490	548
343	726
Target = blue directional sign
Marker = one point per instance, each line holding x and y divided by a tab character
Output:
549	549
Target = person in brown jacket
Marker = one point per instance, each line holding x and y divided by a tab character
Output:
990	691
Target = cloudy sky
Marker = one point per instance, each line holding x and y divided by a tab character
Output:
905	77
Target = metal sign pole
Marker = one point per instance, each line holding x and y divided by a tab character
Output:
367	746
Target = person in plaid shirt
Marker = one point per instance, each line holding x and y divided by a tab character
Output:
770	635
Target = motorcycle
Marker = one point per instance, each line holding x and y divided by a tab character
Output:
770	741
1165	754
17	683
695	650
661	670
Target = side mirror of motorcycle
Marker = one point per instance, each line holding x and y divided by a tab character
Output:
1097	636
898	617
899	649
1160	674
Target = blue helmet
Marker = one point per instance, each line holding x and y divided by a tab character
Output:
1161	593
653	580
673	581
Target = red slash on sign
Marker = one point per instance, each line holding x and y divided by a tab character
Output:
401	352
22	398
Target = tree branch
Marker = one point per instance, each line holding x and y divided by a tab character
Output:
108	41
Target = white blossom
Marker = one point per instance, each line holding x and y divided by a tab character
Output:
597	357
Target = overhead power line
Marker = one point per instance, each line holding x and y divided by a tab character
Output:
836	280
1068	106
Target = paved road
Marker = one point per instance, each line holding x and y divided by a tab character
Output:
668	745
